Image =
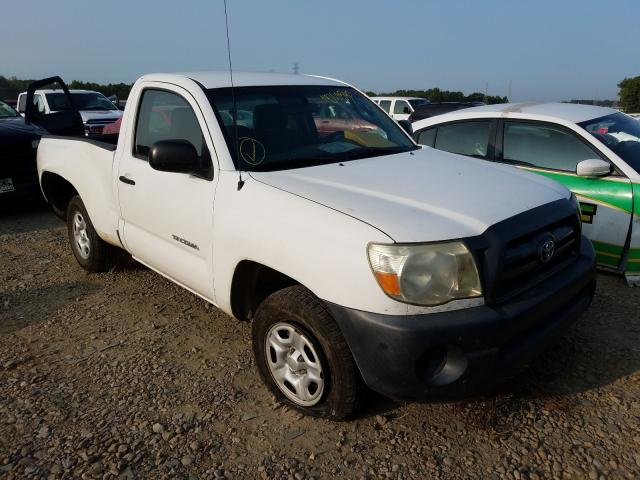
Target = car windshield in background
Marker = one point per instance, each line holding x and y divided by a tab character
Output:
282	127
620	133
7	111
92	101
416	102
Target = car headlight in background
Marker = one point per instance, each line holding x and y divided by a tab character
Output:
574	201
425	274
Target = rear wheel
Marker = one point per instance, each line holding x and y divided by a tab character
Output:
92	253
303	357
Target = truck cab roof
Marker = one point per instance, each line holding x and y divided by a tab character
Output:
222	79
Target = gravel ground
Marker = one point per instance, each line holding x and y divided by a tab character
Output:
124	375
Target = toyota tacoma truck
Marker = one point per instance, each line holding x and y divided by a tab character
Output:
361	258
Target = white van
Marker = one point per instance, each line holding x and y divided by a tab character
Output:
399	107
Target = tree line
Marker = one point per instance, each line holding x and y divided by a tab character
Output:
11	87
437	95
630	94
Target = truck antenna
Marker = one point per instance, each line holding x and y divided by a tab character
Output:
233	100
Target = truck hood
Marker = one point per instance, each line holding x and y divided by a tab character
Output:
106	115
420	196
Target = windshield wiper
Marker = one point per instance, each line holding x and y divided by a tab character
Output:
373	152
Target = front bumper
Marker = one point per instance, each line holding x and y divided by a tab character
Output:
463	352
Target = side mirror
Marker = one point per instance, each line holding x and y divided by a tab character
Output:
406	126
593	168
179	156
406	110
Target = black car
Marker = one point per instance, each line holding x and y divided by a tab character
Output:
18	145
438	108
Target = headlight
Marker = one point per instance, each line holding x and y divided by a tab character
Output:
427	274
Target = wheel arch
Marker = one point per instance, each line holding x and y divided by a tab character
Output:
252	283
58	192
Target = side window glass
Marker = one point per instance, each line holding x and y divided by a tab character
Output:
427	137
401	107
37	101
22	103
465	138
543	146
385	105
165	116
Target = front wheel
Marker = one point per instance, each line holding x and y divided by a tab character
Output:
92	253
303	357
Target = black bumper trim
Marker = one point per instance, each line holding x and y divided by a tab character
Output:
458	353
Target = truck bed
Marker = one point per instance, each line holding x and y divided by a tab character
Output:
108	142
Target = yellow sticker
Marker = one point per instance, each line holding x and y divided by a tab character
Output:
251	151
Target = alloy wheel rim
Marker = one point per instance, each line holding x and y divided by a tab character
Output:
81	240
294	364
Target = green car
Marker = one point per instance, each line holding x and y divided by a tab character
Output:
593	151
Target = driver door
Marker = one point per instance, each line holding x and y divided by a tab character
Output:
401	110
168	216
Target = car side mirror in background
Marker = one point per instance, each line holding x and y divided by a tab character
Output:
406	110
179	156
406	126
593	168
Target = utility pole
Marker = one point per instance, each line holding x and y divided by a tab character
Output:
509	91
296	67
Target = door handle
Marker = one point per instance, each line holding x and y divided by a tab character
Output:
126	180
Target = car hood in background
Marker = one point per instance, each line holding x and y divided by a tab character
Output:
106	115
420	196
16	129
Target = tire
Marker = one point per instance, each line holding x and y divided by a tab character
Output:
92	253
295	320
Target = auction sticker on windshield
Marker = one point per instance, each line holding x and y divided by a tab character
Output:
6	185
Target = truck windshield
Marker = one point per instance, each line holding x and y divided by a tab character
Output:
283	127
87	101
416	102
619	132
6	111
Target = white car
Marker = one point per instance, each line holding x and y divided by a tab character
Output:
399	108
358	256
96	109
594	151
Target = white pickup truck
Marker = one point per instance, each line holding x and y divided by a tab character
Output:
360	257
97	111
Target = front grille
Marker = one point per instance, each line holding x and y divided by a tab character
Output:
101	121
95	126
93	129
522	264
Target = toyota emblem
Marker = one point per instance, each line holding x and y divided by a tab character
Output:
546	249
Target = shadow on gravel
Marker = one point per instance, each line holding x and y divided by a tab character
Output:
24	307
598	351
376	404
28	215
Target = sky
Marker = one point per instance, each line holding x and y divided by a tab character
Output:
546	50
